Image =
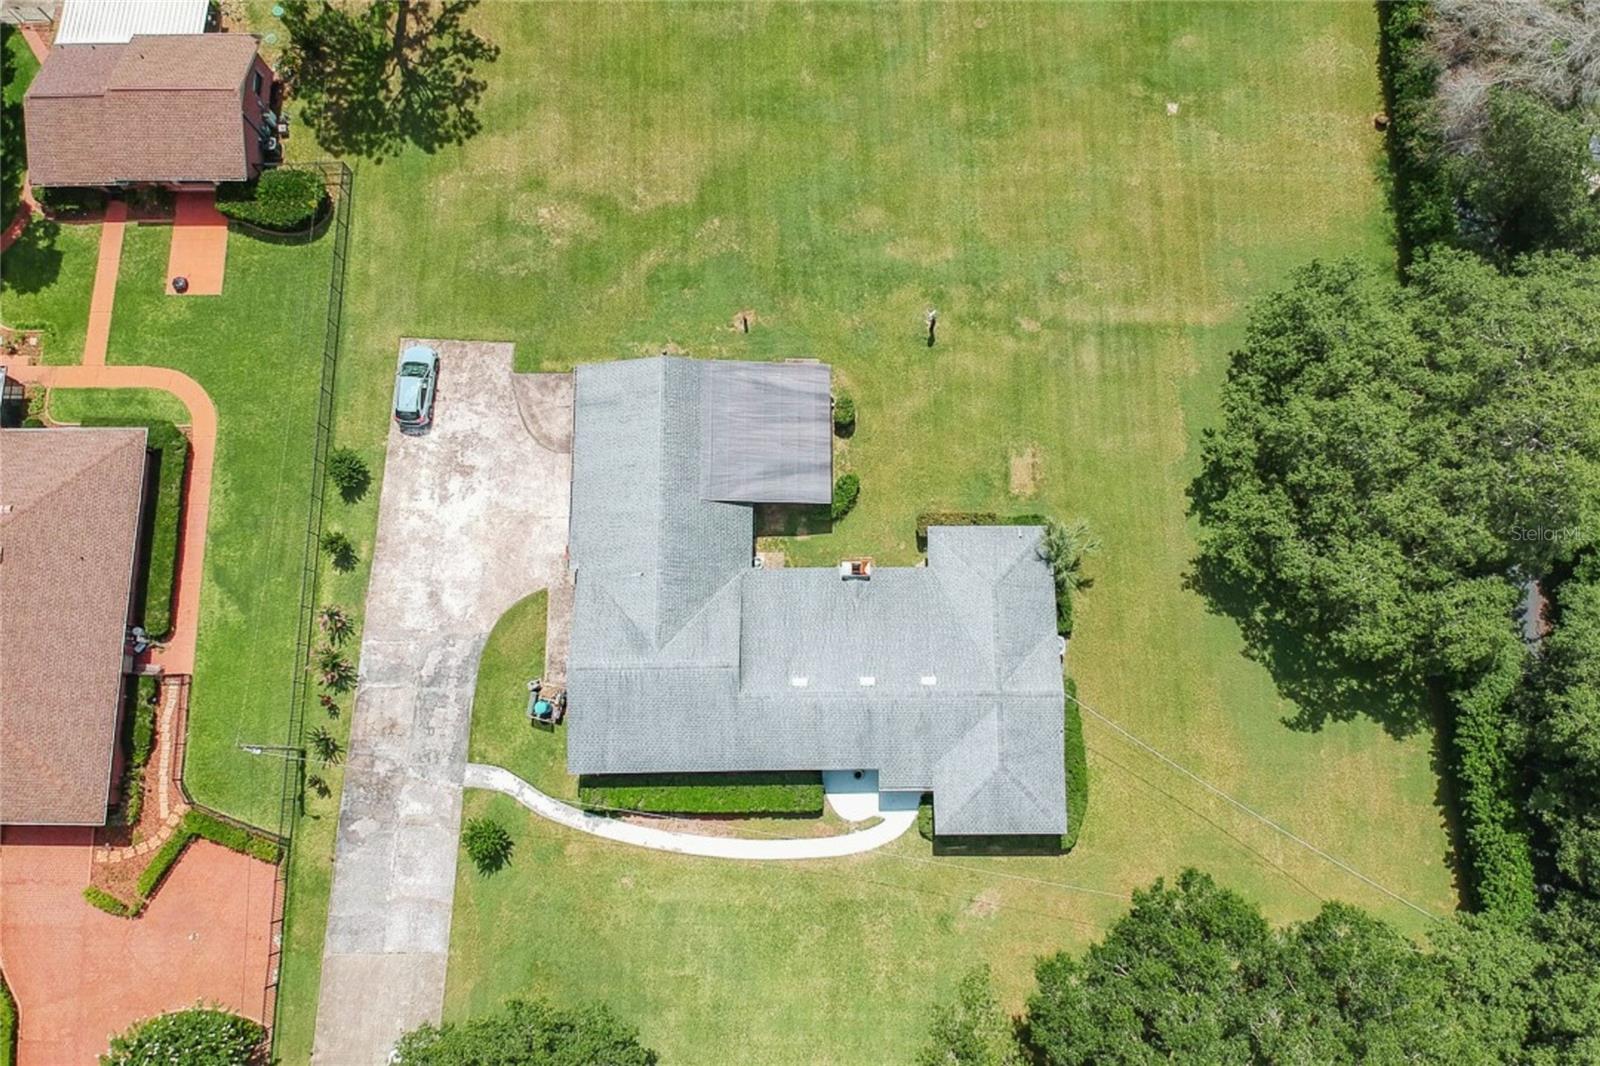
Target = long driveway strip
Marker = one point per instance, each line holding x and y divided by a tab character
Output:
472	518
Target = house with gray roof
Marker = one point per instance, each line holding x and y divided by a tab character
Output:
945	678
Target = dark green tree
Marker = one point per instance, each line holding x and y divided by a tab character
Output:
1193	974
1563	710
349	473
1171	980
970	1029
1527	186
1386	457
374	78
527	1033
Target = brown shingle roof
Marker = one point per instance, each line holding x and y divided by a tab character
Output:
69	518
154	109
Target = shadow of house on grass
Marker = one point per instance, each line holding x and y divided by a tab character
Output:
373	80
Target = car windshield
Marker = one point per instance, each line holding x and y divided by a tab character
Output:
413	370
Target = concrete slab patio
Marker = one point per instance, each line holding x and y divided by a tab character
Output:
472	517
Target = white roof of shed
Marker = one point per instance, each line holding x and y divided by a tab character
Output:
118	21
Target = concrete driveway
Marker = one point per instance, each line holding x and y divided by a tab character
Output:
473	516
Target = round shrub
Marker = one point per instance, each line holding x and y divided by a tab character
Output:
845	491
349	474
197	1037
844	414
283	199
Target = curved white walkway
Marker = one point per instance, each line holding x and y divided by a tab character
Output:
895	823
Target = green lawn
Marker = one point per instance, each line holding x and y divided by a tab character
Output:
256	350
45	282
501	734
138	405
644	174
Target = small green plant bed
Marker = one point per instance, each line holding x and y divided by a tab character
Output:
8	1025
845	493
160	535
284	200
750	795
105	901
197	825
140	725
203	1036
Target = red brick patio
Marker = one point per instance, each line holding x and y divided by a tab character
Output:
80	975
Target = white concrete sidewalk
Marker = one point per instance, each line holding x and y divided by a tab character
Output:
894	824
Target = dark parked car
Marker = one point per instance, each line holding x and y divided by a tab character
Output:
414	387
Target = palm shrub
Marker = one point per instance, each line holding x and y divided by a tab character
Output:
335	622
349	473
319	785
326	745
334	670
340	550
488	844
201	1036
845	491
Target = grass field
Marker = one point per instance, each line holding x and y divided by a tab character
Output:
256	350
644	174
75	405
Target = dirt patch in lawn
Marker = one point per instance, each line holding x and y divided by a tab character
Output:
1027	470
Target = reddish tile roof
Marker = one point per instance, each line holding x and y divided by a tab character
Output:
155	109
69	518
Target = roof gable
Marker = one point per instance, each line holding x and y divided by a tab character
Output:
69	512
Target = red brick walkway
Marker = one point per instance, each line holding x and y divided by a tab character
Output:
199	251
80	975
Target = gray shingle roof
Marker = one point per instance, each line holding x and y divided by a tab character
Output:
685	659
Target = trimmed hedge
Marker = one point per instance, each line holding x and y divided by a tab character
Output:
283	199
845	492
1076	759
199	825
232	837
161	564
1420	188
1499	851
107	902
147	693
8	1024
751	794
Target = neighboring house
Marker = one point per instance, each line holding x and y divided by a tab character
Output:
181	110
70	503
685	658
119	21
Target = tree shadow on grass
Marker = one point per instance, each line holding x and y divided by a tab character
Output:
1323	684
33	263
371	80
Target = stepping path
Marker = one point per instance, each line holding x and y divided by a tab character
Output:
199	250
893	826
